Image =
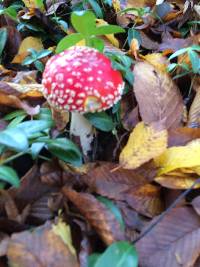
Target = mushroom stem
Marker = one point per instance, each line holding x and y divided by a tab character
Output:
81	128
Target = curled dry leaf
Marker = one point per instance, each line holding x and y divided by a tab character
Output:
157	95
177	180
179	157
48	245
103	221
175	241
145	143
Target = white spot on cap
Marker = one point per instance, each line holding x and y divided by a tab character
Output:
62	85
77	64
60	77
70	81
68	69
99	79
87	69
100	72
79	102
90	79
61	101
82	95
70	101
111	84
78	85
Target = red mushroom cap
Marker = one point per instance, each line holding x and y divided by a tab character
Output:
81	79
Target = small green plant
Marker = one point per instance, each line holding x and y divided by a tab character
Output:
193	55
31	137
84	22
34	57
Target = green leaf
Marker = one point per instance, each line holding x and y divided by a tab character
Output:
9	175
16	121
39	65
11	12
65	150
14	114
35	126
194	58
92	259
100	120
84	22
97	43
114	209
43	53
45	114
97	9
14	138
69	41
3	39
36	148
179	52
134	34
28	60
119	254
107	29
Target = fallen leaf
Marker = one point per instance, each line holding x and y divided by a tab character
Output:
194	112
157	95
181	136
144	144
174	241
146	200
179	157
27	43
103	221
44	246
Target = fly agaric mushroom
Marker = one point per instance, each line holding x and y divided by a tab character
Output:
81	80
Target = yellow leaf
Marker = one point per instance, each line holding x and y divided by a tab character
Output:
27	43
34	4
145	143
110	37
179	157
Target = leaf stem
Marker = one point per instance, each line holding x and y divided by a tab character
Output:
14	157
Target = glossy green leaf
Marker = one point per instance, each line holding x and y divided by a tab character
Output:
36	148
39	65
65	150
195	60
34	126
43	53
9	175
97	44
68	41
100	120
84	22
107	29
119	254
3	39
16	121
14	114
114	209
14	138
97	9
92	259
45	114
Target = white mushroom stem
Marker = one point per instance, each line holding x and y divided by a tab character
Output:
80	127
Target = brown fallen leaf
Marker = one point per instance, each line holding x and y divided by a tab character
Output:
175	241
194	112
144	143
146	200
96	213
114	184
45	246
157	95
181	136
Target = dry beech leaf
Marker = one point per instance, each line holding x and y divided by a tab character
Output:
146	200
103	221
140	3
114	184
27	43
181	136
194	112
174	241
179	157
157	95
144	144
45	246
